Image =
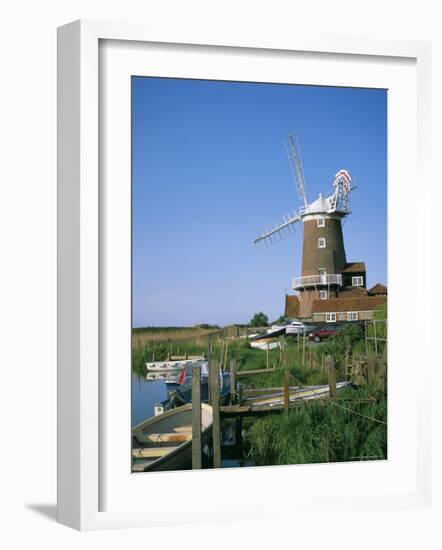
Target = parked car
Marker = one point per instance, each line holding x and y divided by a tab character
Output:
321	334
298	327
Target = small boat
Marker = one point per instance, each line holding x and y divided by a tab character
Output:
164	442
173	381
305	393
171	366
264	345
181	394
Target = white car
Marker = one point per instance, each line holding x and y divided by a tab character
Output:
298	327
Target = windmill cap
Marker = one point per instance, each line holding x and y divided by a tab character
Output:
343	173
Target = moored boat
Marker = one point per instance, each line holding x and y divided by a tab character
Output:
164	442
171	366
264	344
182	393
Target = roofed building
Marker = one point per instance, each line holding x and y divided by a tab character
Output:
346	308
378	290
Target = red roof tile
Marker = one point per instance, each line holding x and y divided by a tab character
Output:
368	303
352	292
291	305
378	289
354	267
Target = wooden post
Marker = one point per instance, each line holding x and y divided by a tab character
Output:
366	338
375	339
303	350
240	388
331	375
216	427
267	356
299	345
232	381
208	360
286	390
196	418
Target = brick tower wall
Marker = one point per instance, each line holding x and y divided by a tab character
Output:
331	258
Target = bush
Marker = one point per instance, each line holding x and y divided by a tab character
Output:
343	342
260	319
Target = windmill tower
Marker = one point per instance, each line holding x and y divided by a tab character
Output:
323	253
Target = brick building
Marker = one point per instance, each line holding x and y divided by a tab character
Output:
352	303
330	288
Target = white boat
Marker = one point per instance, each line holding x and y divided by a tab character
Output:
178	379
164	442
171	366
264	345
305	393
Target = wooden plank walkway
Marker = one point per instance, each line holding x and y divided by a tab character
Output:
274	401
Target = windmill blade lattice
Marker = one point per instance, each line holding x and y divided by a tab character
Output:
279	232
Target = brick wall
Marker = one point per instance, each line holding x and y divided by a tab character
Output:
332	257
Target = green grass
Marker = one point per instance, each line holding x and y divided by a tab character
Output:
320	432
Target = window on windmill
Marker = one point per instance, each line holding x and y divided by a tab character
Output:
321	242
320	222
323	295
357	281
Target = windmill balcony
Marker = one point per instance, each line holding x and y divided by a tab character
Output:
316	280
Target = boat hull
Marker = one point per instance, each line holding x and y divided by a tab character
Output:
155	435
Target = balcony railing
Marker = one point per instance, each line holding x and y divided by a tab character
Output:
316	280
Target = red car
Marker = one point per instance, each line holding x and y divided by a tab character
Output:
321	334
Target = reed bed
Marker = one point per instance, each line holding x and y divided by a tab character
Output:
322	432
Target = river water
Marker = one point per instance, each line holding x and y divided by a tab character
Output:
145	394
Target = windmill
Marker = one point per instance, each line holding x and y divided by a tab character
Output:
323	255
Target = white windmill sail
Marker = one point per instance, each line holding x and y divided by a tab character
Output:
294	156
337	202
280	231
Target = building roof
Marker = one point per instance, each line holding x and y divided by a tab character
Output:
367	303
353	292
291	305
354	267
378	289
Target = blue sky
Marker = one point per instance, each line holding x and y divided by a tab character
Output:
210	173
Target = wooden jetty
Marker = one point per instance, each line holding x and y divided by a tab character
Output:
277	401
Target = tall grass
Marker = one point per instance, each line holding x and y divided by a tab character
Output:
321	432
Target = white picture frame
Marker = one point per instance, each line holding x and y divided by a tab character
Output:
80	294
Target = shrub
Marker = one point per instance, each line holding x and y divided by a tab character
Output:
260	319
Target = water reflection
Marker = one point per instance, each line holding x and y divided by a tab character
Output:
145	393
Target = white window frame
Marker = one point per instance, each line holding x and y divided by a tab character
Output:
352	316
330	317
322	271
320	222
321	295
320	241
354	280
